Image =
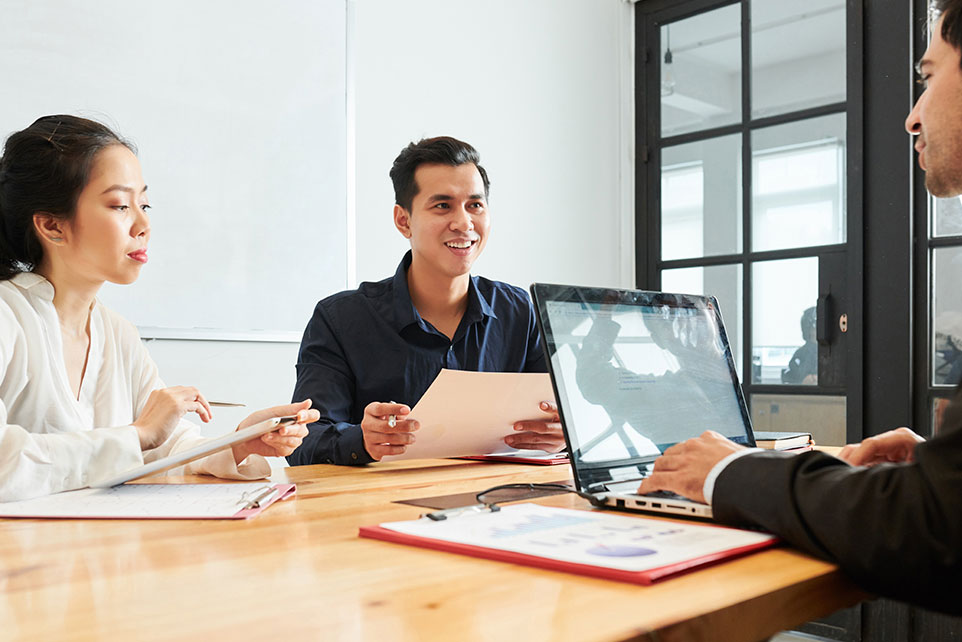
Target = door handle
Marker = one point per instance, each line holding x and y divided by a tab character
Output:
823	314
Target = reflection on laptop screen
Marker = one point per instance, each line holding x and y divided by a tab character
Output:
634	378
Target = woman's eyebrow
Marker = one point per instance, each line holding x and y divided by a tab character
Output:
122	188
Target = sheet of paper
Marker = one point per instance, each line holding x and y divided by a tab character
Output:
470	413
148	501
620	542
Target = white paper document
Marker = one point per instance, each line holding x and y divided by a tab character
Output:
147	501
470	413
619	542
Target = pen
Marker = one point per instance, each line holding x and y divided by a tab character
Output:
226	404
392	419
263	498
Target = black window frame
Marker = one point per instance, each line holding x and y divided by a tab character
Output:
649	17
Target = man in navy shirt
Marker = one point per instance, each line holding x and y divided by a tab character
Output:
369	354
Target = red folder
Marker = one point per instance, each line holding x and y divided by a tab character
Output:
645	577
559	458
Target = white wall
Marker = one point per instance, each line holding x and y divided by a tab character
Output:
543	89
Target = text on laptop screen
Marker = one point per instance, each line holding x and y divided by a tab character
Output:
635	379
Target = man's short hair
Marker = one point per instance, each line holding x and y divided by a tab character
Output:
442	150
951	13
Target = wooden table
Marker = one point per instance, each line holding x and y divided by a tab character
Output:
300	572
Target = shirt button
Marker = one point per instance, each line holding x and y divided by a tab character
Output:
353	455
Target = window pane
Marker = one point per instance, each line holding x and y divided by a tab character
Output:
798	55
823	416
701	62
783	321
946	215
798	184
701	211
724	282
946	300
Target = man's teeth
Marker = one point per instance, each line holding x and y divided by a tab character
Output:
460	245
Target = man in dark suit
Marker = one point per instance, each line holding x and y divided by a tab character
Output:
887	510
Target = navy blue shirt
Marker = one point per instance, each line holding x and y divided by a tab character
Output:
371	344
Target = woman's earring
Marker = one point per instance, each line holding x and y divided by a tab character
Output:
57	239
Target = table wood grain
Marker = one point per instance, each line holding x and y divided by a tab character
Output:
300	571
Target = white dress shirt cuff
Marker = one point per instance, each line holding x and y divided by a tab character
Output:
709	488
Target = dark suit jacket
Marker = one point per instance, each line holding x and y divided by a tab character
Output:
895	529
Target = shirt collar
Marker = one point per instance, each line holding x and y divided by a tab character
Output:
406	314
34	284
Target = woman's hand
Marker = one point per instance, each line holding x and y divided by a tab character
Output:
164	409
281	442
545	434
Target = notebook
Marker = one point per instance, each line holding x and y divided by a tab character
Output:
634	373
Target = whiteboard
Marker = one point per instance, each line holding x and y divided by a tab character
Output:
238	109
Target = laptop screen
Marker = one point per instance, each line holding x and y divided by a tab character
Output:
636	372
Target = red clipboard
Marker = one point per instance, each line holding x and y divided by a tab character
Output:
645	577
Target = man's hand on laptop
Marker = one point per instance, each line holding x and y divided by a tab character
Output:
683	468
543	434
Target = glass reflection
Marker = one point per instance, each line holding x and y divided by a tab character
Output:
798	184
798	55
946	300
635	379
701	201
946	216
724	282
701	66
783	322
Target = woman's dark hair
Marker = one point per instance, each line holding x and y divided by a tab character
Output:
442	150
43	169
951	13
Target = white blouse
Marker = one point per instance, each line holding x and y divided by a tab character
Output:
51	441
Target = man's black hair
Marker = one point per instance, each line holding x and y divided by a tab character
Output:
951	13
442	150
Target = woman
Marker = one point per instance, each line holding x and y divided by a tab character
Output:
80	398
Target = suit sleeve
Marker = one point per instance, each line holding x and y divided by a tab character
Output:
895	529
325	377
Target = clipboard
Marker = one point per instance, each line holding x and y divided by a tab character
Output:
638	550
242	500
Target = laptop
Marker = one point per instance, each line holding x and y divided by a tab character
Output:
634	373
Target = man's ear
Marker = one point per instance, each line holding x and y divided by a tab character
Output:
49	228
402	221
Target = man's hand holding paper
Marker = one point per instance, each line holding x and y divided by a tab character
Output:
475	413
543	434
